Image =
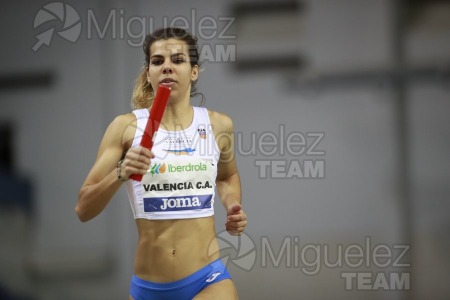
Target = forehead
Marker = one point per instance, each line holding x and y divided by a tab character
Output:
169	47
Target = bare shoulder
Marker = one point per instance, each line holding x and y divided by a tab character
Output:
122	129
222	126
220	121
124	120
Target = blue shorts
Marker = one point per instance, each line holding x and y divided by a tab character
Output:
185	288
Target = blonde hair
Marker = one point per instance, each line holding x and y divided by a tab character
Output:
143	93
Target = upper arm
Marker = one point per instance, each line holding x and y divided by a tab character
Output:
112	147
224	133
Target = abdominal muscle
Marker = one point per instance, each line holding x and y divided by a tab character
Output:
169	250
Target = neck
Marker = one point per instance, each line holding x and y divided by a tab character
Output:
178	115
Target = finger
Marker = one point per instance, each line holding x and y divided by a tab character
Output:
236	225
141	152
130	163
146	153
133	170
235	218
241	224
135	155
141	162
235	231
135	167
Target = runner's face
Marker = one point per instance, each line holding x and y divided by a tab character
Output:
170	65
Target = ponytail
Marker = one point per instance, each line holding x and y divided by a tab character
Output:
143	94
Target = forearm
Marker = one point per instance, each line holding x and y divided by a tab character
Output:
93	198
230	190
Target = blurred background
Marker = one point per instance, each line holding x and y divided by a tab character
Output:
362	86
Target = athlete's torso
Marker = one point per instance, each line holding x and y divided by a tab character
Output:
180	183
173	204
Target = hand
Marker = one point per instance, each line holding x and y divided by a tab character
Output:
236	220
136	161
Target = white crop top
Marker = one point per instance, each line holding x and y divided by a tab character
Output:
181	180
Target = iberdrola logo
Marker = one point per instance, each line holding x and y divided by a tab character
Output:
158	168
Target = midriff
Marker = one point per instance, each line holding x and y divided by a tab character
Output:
170	250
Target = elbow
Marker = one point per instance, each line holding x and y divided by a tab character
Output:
81	210
82	216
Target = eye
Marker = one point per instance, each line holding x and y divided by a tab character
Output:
179	60
156	62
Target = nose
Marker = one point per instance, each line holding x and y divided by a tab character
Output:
167	68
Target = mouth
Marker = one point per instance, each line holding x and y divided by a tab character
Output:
167	81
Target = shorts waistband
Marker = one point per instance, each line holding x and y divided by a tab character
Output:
178	283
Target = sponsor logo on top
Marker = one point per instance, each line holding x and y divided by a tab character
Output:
160	168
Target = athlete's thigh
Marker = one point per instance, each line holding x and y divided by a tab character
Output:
224	289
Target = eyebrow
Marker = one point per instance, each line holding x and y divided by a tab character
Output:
161	56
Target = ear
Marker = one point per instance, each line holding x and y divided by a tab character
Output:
194	73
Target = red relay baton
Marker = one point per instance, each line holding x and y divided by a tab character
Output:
156	114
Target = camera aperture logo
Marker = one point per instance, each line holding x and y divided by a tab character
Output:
242	246
63	13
